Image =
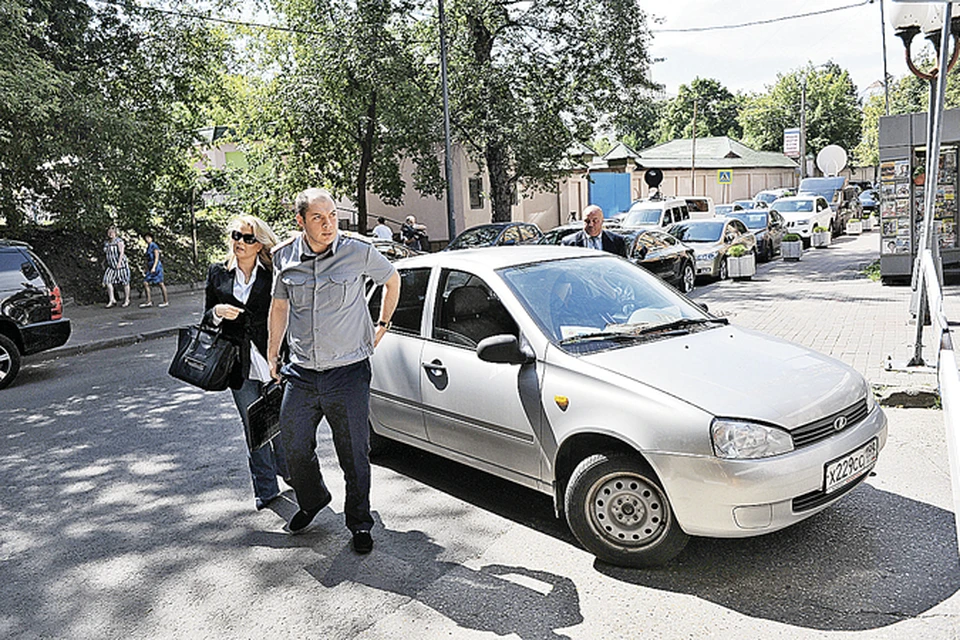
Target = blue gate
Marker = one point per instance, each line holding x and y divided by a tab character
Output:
610	192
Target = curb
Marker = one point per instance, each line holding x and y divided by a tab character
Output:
109	343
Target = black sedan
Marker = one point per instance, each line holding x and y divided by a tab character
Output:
768	226
663	255
496	234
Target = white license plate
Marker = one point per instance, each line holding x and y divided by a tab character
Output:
850	467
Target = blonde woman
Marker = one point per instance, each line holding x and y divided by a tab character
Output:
237	300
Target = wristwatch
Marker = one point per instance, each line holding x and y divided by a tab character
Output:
385	325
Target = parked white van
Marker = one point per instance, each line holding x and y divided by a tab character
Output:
656	213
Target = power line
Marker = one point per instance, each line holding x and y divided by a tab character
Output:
126	4
759	22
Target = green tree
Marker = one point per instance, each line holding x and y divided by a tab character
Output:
639	127
96	105
355	102
717	112
529	78
833	113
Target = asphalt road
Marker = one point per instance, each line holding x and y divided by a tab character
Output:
127	512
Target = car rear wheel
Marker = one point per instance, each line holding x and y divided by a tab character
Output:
617	509
9	361
688	278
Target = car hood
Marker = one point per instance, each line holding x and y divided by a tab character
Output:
737	373
791	216
700	248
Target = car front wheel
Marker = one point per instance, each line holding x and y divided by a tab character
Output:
617	509
9	361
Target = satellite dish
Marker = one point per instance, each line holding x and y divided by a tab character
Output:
653	178
831	160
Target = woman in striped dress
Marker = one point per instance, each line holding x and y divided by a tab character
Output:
118	269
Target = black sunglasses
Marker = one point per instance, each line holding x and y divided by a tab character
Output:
248	238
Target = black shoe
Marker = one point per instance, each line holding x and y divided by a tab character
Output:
362	542
302	518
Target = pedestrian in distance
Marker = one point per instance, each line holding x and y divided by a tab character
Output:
237	299
319	304
382	230
153	272
413	234
594	236
117	272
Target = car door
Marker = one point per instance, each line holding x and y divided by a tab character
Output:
775	226
655	257
470	406
395	385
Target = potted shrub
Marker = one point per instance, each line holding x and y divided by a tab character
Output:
854	226
792	247
741	264
820	237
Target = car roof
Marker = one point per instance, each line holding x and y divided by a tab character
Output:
491	258
802	196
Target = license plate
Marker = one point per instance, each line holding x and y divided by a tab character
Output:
850	467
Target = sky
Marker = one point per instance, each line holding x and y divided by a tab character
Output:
748	59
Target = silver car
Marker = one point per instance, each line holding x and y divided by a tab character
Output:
711	240
583	376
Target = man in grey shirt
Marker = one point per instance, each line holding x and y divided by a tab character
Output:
318	302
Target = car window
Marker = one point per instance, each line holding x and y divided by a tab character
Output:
650	241
10	275
667	217
413	294
527	233
684	213
468	311
511	235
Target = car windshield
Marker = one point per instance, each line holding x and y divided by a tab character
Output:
724	209
787	206
746	204
589	303
752	220
639	215
706	231
477	237
826	187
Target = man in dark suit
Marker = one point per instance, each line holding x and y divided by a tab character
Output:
594	237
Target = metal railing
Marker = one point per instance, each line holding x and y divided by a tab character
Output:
948	378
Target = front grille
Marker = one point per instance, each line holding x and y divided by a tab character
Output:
825	427
817	498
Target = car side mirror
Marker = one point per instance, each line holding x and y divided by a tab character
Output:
504	349
702	305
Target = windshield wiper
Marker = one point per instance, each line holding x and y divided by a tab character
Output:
617	336
679	324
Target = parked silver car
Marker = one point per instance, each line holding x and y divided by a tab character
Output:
711	240
583	376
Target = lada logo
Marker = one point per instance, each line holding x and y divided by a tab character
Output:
840	423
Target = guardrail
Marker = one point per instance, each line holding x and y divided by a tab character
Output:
948	378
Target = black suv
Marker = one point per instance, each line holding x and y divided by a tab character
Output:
31	308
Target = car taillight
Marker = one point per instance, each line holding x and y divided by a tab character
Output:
56	304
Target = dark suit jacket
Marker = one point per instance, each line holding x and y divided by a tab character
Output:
251	325
611	242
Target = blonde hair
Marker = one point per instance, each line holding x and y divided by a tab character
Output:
263	233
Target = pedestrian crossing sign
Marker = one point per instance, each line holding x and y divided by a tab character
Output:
724	176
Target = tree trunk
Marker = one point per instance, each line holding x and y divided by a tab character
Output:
501	188
366	160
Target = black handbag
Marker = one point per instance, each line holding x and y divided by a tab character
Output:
263	416
204	358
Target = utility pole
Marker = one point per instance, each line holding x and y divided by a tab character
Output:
693	153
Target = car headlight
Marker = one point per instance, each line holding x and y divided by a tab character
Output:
871	399
706	257
803	222
740	440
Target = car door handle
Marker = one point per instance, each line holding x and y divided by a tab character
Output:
435	368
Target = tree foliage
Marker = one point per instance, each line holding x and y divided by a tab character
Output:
717	112
832	110
96	105
529	78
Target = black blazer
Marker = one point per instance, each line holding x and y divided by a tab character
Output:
611	242
251	325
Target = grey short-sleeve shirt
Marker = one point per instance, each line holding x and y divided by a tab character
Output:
329	325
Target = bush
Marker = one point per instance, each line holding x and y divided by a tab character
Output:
791	237
819	229
737	251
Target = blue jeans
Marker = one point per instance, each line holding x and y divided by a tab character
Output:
267	462
342	395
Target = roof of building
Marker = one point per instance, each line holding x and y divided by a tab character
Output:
719	152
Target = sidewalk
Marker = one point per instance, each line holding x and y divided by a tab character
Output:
94	327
